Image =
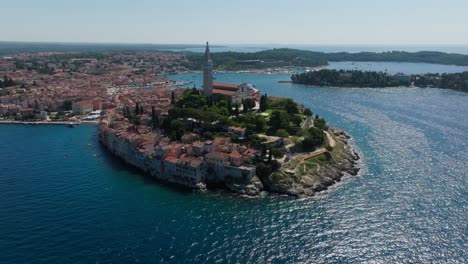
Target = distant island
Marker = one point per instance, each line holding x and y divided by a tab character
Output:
354	78
303	58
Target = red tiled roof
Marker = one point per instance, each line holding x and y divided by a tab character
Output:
235	155
84	102
225	92
225	86
217	154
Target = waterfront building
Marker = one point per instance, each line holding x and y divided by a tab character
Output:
97	105
218	162
188	170
82	107
44	115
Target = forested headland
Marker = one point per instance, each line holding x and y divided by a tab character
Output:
304	58
342	78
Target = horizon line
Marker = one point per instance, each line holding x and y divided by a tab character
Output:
233	44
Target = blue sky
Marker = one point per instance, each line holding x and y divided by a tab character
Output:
385	22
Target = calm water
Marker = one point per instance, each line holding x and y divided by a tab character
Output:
408	204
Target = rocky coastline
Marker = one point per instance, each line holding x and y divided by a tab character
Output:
289	180
308	174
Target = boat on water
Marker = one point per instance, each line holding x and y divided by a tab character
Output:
72	125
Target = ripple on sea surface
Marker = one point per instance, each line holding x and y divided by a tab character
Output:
409	204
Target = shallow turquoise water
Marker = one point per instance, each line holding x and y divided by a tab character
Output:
408	204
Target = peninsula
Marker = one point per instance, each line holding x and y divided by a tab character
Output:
221	134
227	135
276	58
353	78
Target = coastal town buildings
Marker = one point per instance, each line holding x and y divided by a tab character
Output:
82	107
57	86
54	81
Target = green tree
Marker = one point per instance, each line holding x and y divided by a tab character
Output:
291	107
263	103
236	111
67	105
192	99
137	109
263	171
248	104
308	112
278	153
320	123
179	128
282	133
229	107
315	139
279	119
154	118
296	119
135	120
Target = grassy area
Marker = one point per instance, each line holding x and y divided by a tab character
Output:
280	176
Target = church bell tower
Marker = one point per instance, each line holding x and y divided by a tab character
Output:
207	73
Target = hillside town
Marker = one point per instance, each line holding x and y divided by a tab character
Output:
60	86
192	156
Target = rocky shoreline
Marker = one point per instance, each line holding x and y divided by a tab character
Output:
290	179
304	177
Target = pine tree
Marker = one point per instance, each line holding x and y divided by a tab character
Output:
236	111
154	118
269	155
263	103
128	111
229	107
137	109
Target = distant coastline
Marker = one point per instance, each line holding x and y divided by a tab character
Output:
372	79
275	58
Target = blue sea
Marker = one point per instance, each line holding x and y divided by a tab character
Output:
64	199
